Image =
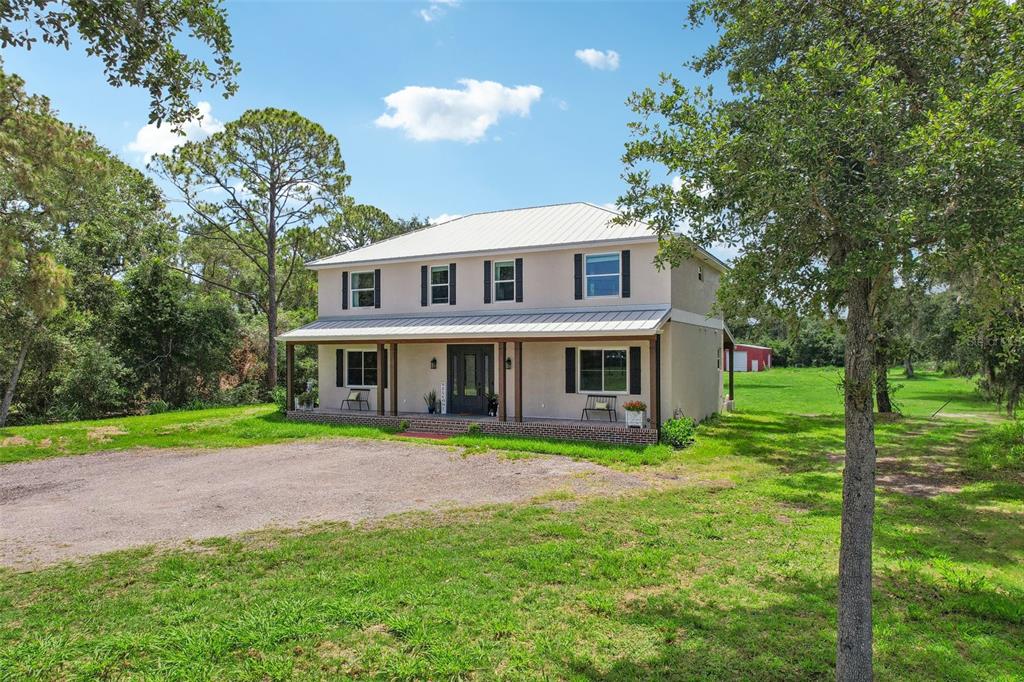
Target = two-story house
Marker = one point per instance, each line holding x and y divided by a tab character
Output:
546	311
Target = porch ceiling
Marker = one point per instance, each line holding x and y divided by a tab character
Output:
539	324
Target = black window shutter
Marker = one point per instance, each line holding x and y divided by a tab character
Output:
578	274
570	370
451	284
376	288
487	281
625	273
385	368
339	367
423	285
344	292
519	280
634	370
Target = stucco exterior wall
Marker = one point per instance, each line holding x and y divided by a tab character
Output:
691	293
691	378
547	283
543	378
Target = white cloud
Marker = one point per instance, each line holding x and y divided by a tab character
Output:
150	139
464	115
443	218
596	59
436	9
563	105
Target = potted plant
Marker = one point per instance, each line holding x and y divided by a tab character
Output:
635	412
492	404
430	398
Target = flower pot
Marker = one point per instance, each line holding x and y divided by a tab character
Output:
635	419
431	409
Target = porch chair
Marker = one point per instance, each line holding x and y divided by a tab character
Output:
357	398
600	403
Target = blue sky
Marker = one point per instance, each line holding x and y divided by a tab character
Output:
542	125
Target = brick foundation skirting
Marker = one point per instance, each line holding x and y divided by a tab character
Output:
583	431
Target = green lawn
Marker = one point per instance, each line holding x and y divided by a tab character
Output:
726	570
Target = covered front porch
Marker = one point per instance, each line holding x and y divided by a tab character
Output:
535	379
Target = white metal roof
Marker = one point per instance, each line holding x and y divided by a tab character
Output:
611	321
559	225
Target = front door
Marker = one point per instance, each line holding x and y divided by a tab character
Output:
470	369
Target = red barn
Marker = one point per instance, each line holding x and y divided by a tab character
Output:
751	358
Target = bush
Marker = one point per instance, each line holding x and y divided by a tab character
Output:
474	429
404	425
158	407
678	432
243	394
280	397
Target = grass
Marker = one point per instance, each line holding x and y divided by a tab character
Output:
727	571
261	425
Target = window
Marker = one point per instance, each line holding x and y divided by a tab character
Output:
719	358
700	272
603	274
603	370
439	284
505	280
362	290
362	368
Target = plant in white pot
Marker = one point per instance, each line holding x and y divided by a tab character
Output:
635	413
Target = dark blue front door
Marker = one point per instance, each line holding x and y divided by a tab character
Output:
470	368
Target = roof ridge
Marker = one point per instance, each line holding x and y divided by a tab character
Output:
447	222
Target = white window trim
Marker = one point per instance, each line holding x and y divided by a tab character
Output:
495	281
579	370
348	365
617	294
431	285
352	290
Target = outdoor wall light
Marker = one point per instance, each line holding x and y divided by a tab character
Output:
433	363
508	363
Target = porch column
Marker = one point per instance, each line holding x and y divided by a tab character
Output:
518	360
732	350
393	379
655	372
502	412
289	354
380	379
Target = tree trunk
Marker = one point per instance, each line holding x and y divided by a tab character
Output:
5	405
882	399
272	327
853	651
908	367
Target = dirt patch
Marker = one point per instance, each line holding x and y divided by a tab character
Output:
102	434
12	441
67	507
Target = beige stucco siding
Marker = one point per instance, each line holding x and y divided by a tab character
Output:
691	379
691	293
544	392
547	283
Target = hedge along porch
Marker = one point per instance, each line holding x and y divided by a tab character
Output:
541	374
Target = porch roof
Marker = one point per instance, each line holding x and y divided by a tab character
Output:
556	322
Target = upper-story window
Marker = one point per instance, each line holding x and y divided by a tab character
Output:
439	284
700	272
603	273
362	289
505	280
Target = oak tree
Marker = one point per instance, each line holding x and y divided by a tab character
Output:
823	165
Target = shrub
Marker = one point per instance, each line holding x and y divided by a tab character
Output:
280	397
474	429
404	425
678	432
158	407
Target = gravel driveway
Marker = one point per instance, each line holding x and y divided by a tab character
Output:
68	507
